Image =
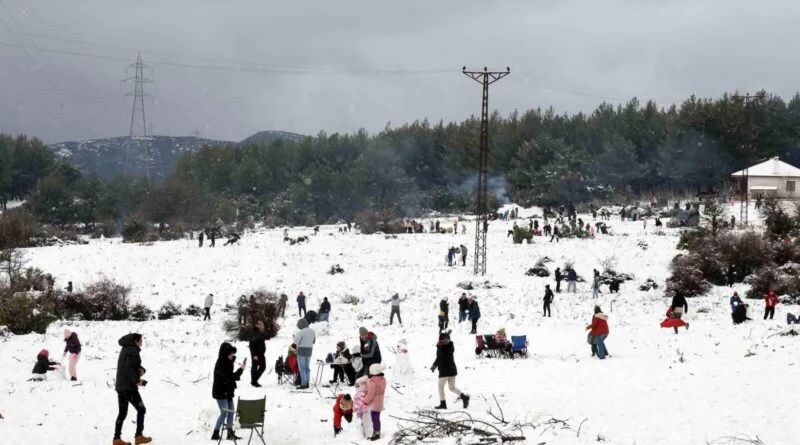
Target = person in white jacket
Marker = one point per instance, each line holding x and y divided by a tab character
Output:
207	306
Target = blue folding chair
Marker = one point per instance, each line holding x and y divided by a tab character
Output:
519	345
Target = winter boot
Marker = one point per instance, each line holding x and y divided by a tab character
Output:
375	436
687	326
442	405
215	436
464	398
138	440
73	379
232	436
120	442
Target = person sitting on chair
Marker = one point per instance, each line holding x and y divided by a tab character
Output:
502	341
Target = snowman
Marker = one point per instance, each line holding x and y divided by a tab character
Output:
403	371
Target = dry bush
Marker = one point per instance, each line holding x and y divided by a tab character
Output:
372	221
262	305
17	229
687	278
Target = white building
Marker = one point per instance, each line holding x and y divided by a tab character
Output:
769	178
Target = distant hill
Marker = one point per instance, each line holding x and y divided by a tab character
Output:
107	157
268	137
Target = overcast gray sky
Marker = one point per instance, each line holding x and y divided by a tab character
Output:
231	68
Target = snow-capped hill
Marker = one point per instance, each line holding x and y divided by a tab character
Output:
268	137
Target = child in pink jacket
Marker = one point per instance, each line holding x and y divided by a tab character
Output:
376	387
360	407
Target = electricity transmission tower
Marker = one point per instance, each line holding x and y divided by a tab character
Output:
749	137
485	78
138	95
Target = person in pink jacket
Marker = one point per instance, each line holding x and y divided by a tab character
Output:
361	408
376	387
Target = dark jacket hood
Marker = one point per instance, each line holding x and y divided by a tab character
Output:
225	349
127	340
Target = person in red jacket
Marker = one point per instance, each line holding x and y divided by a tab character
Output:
343	407
770	300
599	331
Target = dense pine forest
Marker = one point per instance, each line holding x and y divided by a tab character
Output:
615	153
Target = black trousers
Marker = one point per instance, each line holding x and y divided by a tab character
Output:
257	369
474	326
769	311
207	315
301	310
123	399
340	371
546	311
443	322
395	310
558	285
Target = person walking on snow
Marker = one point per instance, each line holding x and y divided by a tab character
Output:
770	301
447	370
444	310
572	279
599	331
200	238
679	305
548	298
258	350
559	278
342	407
129	379
324	310
301	304
73	346
304	339
223	388
395	300
209	301
474	314
376	389
282	305
463	255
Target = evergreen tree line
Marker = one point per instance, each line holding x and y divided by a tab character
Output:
537	158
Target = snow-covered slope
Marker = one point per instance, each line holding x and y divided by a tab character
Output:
713	381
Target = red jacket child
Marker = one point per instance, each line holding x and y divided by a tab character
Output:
343	407
771	299
599	325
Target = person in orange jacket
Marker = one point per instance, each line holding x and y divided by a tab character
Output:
343	407
770	301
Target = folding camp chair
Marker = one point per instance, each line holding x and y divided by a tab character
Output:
492	348
251	417
284	373
519	345
479	346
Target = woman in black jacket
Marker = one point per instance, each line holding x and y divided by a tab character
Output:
224	386
447	370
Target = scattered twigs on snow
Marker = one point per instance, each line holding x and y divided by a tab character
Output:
394	387
429	424
554	423
502	418
734	440
169	380
200	379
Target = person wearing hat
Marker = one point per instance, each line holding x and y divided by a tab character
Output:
304	339
209	301
376	389
73	346
341	365
370	351
447	370
128	381
343	407
223	388
43	364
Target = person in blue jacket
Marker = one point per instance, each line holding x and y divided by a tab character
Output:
735	301
474	314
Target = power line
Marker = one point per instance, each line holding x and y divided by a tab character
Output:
254	68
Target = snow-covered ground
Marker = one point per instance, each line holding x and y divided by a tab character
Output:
713	381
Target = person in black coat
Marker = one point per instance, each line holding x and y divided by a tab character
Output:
444	314
258	350
129	379
559	278
224	386
43	364
679	305
324	309
548	298
369	351
447	370
463	307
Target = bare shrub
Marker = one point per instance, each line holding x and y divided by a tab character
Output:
17	229
350	299
371	221
609	263
261	306
169	310
687	278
